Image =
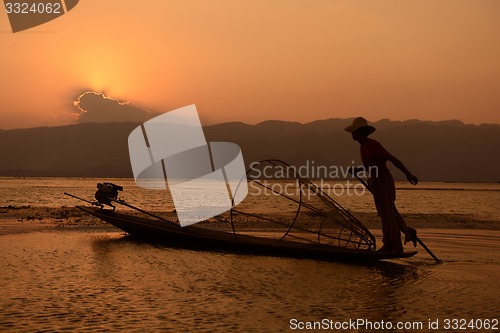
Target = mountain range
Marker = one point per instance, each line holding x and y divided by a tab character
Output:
434	151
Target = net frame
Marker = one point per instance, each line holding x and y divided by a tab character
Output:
352	233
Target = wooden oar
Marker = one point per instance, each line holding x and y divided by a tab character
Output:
419	241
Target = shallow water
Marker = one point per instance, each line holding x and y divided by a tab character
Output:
477	200
98	279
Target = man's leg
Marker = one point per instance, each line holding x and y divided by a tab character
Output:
384	195
409	232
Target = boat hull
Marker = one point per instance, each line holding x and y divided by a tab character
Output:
194	237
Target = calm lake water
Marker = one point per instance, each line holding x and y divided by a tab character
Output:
479	200
98	279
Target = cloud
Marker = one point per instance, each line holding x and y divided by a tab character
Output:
97	108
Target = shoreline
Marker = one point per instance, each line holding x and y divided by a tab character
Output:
16	219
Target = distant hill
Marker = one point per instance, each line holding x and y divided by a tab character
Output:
434	151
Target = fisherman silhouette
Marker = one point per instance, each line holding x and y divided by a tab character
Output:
374	157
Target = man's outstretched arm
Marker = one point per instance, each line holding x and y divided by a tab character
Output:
398	164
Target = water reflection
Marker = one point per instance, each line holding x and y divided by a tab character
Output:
91	280
268	289
104	250
388	291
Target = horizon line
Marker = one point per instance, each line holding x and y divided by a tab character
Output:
266	121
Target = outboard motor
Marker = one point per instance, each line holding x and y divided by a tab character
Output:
106	192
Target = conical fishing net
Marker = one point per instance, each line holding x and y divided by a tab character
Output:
281	205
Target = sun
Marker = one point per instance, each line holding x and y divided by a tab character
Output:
104	69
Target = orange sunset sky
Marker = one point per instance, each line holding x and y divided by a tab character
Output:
255	60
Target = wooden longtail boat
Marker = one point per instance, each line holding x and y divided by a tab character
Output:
194	237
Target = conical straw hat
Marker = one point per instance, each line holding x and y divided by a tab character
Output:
358	123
